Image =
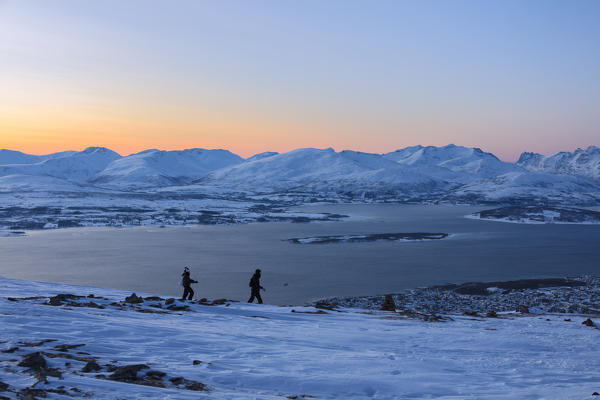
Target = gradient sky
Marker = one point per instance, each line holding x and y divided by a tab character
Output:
252	76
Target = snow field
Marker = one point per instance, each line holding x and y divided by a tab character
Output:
268	352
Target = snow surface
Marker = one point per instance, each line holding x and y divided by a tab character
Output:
252	351
453	162
164	168
579	162
533	186
320	169
425	174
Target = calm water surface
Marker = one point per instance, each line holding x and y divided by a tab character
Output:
223	257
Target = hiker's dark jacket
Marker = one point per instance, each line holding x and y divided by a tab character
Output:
187	281
255	282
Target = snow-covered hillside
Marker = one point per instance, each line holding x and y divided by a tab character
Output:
453	162
579	162
323	170
90	343
531	187
417	173
78	166
164	168
262	155
16	157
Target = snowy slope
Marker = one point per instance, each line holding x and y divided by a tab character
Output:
579	162
323	169
163	168
35	183
266	352
567	189
452	162
77	166
16	157
418	172
260	156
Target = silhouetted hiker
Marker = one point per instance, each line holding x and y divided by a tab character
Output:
186	281
255	285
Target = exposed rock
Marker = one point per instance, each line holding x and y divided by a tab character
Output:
91	304
188	383
59	299
523	309
66	347
174	307
155	374
588	322
219	301
195	385
134	299
34	361
388	303
153	298
177	380
491	314
3	387
127	373
324	305
197	362
170	301
11	350
37	344
91	366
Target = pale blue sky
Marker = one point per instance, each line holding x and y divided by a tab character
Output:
507	76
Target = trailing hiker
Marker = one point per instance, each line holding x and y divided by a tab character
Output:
186	281
256	288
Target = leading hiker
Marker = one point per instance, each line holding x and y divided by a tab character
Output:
186	282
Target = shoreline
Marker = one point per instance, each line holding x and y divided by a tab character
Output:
571	295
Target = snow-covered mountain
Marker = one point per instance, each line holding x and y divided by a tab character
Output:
16	157
164	168
451	162
418	172
75	166
260	156
532	187
579	162
323	170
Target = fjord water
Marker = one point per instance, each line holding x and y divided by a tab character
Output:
223	257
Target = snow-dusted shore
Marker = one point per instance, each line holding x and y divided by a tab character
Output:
242	351
539	215
580	295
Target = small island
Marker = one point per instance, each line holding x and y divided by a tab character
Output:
372	237
539	215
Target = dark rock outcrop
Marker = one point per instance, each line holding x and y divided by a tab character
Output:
134	299
588	322
523	309
388	303
128	373
91	366
34	361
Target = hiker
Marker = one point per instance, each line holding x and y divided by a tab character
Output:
186	281
255	285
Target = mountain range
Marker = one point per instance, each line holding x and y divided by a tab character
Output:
450	172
